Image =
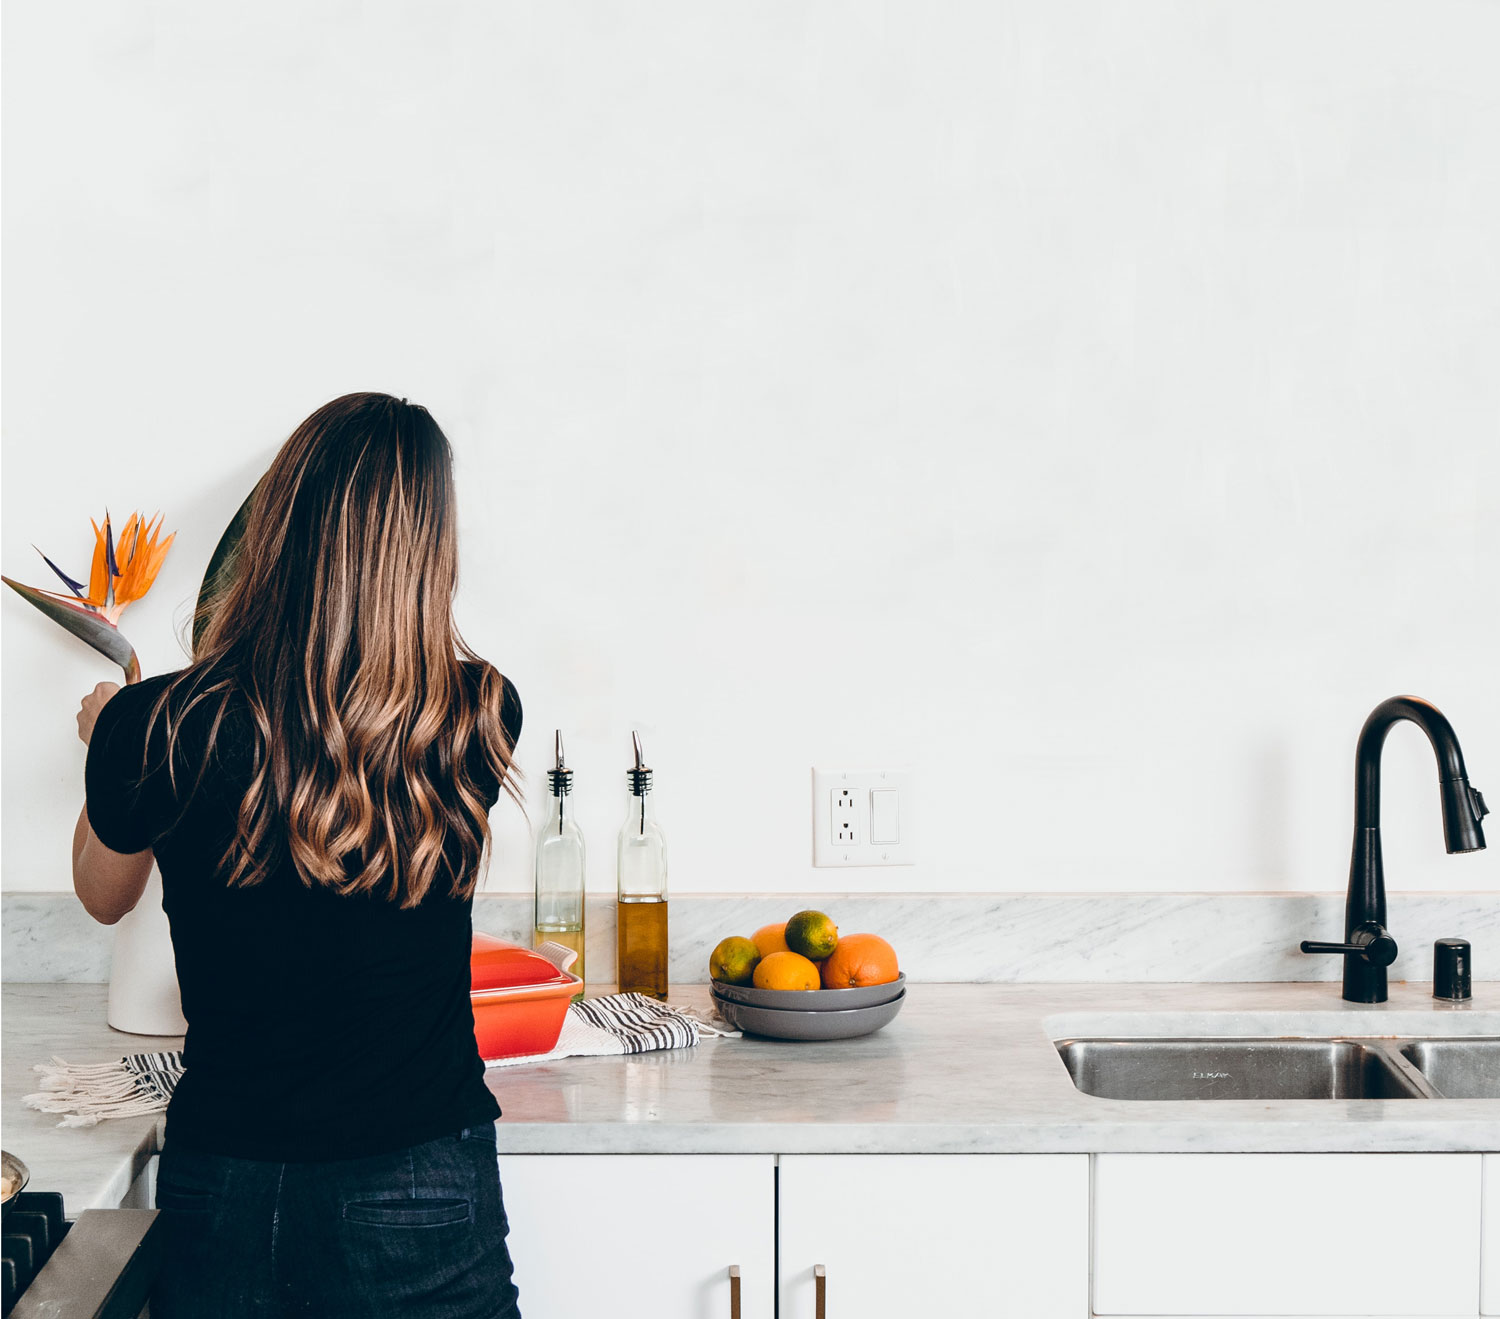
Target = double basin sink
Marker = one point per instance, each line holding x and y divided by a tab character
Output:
1459	1067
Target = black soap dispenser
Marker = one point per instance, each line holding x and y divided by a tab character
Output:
1452	970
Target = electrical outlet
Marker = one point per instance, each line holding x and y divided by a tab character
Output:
864	817
845	811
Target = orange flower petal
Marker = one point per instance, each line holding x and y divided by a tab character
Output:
129	538
141	563
99	569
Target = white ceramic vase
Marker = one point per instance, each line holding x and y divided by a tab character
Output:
143	994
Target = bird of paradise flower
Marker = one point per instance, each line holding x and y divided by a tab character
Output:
119	576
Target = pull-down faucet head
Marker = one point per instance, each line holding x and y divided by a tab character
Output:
1463	806
1463	809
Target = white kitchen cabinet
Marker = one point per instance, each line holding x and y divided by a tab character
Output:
1489	1259
641	1236
1286	1234
1004	1236
142	1192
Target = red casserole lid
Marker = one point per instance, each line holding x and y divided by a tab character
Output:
520	999
496	964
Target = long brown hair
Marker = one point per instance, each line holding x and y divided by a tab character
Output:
336	626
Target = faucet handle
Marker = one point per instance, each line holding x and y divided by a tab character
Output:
1369	942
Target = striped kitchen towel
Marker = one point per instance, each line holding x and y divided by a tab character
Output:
87	1093
624	1023
141	1083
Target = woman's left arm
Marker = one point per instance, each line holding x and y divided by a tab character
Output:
108	883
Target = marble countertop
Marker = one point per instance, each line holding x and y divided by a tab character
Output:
963	1069
93	1167
972	1069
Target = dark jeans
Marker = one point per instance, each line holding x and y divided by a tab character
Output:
418	1233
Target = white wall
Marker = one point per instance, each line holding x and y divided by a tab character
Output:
1093	404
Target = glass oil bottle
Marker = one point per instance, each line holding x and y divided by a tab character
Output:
560	869
641	911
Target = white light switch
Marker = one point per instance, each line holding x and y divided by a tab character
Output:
865	817
885	825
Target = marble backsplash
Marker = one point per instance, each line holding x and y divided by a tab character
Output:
991	937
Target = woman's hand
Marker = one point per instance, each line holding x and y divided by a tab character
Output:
88	712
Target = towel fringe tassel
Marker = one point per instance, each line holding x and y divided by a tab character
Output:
88	1093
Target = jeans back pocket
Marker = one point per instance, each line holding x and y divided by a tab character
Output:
409	1213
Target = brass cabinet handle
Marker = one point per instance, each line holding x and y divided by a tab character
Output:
734	1291
820	1281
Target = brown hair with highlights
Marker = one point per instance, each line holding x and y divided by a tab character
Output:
335	624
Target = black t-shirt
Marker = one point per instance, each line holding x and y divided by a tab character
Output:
319	1026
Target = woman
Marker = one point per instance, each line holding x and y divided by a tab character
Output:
315	789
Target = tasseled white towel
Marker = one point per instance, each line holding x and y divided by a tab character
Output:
142	1083
87	1093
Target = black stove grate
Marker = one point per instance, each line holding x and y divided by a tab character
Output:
34	1225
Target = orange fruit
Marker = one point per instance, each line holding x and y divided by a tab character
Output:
812	934
786	971
770	939
860	959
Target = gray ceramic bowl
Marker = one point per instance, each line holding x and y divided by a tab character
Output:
783	1025
812	1000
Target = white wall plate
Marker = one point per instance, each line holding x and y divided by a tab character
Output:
864	817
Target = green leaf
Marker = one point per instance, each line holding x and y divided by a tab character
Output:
220	570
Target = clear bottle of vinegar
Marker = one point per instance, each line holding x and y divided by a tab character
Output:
641	909
560	869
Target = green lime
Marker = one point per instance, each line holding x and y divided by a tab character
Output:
733	962
812	934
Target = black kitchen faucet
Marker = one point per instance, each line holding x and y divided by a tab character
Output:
1368	947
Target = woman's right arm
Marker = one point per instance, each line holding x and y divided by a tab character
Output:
108	883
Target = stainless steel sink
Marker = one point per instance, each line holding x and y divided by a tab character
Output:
1459	1068
1240	1069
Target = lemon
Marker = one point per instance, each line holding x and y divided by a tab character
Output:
734	961
812	934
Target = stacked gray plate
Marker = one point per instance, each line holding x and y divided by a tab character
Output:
810	1014
812	1000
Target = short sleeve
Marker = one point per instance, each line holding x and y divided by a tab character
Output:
510	712
121	795
510	719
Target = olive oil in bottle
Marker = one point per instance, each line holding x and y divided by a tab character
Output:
558	916
641	909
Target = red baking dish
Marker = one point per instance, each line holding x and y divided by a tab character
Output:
519	998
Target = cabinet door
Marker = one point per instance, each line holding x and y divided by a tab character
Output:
1489	1266
1286	1234
640	1236
1002	1236
142	1192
